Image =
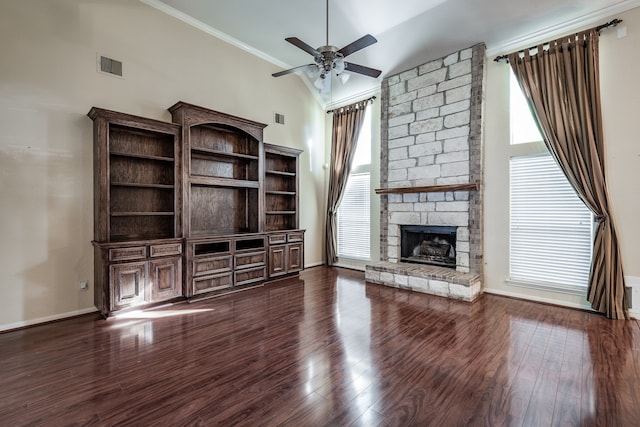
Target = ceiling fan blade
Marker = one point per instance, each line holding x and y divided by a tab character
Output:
361	43
302	45
292	70
361	69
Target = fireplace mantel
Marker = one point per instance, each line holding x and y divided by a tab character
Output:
430	188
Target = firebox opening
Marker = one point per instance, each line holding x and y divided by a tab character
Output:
428	244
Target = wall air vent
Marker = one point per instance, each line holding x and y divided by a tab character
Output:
279	118
110	66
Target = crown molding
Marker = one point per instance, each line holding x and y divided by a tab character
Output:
163	7
353	98
527	40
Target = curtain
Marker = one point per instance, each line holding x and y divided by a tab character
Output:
347	122
561	82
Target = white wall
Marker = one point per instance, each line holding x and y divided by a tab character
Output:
619	62
48	82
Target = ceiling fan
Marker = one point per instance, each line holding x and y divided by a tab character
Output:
329	58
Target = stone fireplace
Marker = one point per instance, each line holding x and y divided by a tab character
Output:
431	175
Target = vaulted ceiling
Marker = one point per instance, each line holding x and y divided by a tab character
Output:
409	32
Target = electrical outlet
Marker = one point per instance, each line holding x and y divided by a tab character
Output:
84	285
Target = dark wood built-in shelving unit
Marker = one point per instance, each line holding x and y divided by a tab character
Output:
204	192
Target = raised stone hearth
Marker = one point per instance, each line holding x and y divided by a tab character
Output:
432	141
433	280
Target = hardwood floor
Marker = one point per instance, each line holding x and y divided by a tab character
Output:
327	349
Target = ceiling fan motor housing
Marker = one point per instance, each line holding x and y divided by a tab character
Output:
326	60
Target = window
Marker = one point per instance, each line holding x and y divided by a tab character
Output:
353	218
551	230
354	212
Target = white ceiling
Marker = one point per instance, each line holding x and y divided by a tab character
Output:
409	32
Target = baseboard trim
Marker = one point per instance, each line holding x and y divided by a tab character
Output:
539	299
314	264
47	319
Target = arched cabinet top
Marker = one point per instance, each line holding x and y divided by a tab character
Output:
189	115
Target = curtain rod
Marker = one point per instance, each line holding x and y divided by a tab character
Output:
371	99
599	28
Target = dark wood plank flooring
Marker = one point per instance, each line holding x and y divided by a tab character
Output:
326	349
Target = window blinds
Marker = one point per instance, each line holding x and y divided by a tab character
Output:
354	218
551	229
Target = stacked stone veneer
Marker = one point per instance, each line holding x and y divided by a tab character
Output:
432	135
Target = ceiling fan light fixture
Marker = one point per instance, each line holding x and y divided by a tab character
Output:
319	83
338	65
311	71
344	77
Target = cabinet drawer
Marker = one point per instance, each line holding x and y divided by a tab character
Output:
297	236
275	239
127	254
205	284
165	249
254	259
211	265
244	277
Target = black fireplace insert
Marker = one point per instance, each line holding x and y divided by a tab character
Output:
428	244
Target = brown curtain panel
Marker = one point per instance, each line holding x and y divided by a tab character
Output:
347	122
561	82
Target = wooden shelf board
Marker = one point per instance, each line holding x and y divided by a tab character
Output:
142	156
223	182
201	150
429	189
281	193
140	185
280	212
275	172
142	213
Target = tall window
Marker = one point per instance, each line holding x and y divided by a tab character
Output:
551	230
354	212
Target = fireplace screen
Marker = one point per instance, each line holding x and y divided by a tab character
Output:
428	244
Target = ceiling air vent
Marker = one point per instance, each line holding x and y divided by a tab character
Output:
111	66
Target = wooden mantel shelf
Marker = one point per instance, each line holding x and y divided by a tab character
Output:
430	189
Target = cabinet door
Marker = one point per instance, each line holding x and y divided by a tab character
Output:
127	284
277	260
165	278
295	261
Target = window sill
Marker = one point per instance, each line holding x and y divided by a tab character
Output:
549	287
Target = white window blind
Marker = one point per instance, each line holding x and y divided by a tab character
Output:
354	218
551	229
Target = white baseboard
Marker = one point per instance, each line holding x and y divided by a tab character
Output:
538	299
60	316
313	264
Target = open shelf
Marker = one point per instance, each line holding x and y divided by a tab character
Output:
136	170
141	227
223	210
222	166
281	188
219	138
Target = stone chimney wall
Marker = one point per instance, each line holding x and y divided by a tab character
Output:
432	136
